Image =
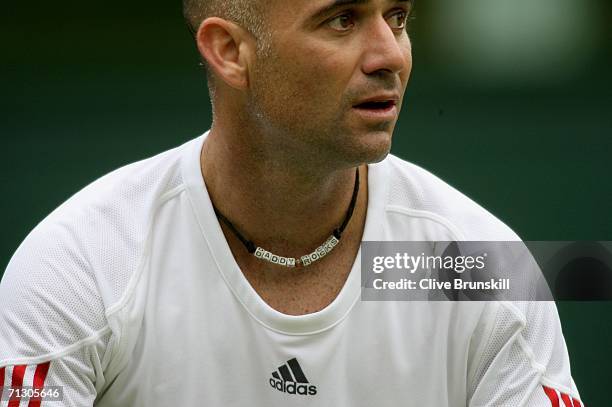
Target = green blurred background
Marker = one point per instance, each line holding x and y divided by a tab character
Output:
509	101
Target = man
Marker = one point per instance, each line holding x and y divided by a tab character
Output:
224	272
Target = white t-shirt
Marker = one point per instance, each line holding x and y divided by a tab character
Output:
128	295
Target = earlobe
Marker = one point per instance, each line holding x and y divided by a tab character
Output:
222	44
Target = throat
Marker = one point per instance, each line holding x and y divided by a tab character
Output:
304	290
282	223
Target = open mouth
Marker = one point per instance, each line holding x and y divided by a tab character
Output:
381	105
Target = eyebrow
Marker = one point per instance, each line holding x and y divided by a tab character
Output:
342	3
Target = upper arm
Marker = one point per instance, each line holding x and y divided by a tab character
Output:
53	330
524	359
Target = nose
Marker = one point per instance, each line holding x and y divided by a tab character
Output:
385	50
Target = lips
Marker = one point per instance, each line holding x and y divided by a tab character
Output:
378	107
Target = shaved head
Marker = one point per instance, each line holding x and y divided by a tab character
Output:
246	13
249	14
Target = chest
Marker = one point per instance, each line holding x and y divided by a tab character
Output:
224	357
303	290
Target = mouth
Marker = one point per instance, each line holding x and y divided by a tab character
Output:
376	105
383	108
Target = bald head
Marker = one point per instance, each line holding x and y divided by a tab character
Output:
249	14
246	13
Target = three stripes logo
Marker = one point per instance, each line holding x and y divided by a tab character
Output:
290	378
556	397
23	379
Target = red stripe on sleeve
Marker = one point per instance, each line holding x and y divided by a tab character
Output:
577	403
552	395
1	382
566	400
17	383
40	375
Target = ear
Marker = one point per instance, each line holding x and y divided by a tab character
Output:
227	49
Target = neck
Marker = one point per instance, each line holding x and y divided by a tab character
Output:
278	204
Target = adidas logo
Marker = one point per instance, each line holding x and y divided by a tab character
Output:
289	378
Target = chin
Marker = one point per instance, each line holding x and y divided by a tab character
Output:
383	148
369	148
377	145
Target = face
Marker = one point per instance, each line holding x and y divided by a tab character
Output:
331	83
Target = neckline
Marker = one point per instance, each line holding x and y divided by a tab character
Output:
238	284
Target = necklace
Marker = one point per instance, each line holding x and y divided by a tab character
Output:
307	259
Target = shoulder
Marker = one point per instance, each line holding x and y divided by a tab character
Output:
411	192
78	263
519	350
105	225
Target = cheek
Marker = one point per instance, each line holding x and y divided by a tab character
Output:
318	74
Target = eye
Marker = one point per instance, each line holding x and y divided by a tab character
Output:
397	21
343	22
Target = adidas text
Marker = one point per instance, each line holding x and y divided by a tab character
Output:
293	388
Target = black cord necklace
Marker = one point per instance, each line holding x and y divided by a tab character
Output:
306	259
